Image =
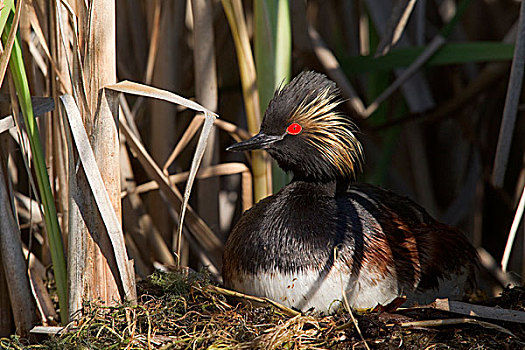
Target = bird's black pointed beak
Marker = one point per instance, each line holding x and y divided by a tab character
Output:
259	141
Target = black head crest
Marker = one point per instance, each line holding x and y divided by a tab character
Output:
303	131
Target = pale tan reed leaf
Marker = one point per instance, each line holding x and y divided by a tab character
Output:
133	88
203	173
94	178
197	158
46	330
6	123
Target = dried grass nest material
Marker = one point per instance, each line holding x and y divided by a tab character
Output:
178	311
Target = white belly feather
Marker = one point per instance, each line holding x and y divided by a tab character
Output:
324	292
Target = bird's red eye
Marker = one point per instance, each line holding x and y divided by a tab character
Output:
294	129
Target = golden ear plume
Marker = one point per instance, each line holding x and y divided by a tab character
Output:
330	132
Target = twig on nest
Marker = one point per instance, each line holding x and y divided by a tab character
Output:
286	310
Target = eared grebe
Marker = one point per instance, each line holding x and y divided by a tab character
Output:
324	235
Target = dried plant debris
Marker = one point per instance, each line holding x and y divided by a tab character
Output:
185	311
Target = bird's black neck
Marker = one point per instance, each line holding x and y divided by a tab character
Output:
330	188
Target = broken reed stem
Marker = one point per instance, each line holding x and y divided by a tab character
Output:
400	14
429	51
456	321
333	69
513	230
511	104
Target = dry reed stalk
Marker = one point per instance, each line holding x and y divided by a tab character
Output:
234	13
152	49
124	268
6	316
206	93
45	26
164	116
54	84
186	137
234	131
14	265
250	298
98	265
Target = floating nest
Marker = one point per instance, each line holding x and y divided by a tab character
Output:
180	311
